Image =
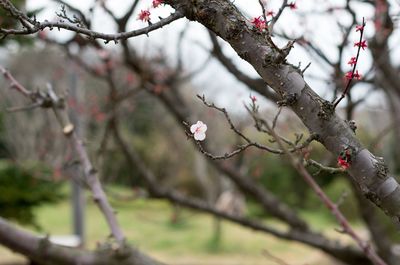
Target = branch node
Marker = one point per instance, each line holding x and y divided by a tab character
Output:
289	99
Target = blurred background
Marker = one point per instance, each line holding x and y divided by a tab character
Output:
137	94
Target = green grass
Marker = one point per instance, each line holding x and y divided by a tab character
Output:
147	224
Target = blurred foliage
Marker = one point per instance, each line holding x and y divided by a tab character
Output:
21	191
143	121
6	20
278	176
157	139
136	129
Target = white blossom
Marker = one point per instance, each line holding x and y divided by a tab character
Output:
199	130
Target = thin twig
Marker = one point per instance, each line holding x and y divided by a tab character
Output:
331	170
345	91
365	246
263	13
277	16
276	117
39	26
24	108
14	83
249	142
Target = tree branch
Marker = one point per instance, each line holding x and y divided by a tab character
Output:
39	26
317	114
51	100
332	207
41	250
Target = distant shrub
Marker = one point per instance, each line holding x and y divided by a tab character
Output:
21	192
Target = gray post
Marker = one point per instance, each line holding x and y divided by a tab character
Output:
77	192
78	210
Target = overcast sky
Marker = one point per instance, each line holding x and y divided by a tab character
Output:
316	26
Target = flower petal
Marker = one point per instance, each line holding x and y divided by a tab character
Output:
193	128
203	128
200	136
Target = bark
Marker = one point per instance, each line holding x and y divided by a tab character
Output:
317	114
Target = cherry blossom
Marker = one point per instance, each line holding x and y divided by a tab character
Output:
343	163
253	98
352	61
359	28
199	131
356	75
349	75
292	5
344	158
270	13
156	3
144	15
259	23
362	44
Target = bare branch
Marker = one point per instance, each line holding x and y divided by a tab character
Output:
278	15
82	17
39	26
354	67
320	167
14	83
317	114
333	208
249	142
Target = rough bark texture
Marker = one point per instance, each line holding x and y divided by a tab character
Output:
368	171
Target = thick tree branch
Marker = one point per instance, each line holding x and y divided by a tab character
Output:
41	250
333	208
369	172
